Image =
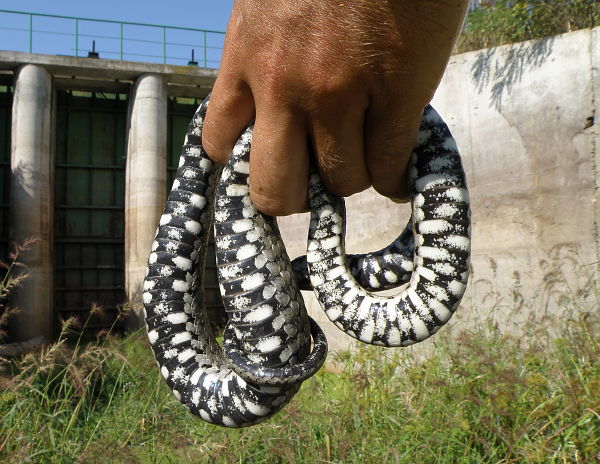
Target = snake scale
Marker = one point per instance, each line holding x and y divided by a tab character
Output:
270	344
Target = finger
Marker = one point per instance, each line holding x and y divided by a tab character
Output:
230	110
279	162
391	131
338	143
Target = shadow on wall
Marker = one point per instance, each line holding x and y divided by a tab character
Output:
499	68
25	179
561	282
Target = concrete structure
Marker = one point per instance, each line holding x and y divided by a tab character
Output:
112	75
525	119
31	196
145	178
33	140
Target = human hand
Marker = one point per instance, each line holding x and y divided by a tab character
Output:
349	77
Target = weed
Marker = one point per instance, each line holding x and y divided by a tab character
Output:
479	394
12	275
500	22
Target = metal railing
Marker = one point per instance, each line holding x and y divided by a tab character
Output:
103	38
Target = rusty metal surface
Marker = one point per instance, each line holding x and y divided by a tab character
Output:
89	206
5	121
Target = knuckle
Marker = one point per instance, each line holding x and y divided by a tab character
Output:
394	153
214	149
392	186
272	206
273	86
343	177
331	89
269	76
385	158
347	189
388	169
398	194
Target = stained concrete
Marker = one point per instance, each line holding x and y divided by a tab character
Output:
145	179
70	71
31	201
524	118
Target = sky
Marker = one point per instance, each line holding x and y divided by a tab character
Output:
55	36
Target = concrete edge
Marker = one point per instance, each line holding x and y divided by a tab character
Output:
69	66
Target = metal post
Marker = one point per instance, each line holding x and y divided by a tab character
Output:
30	33
77	37
121	43
164	45
204	35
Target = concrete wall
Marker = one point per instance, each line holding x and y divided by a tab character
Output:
523	117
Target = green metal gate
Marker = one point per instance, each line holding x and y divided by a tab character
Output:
5	129
180	113
89	283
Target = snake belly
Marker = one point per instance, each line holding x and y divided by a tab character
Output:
383	269
269	333
440	266
266	350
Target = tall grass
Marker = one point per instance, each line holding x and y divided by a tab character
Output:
499	22
482	395
12	274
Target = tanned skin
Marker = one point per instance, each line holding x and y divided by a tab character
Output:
349	78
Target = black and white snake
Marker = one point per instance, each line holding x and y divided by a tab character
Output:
270	344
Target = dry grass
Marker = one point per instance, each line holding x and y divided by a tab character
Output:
482	395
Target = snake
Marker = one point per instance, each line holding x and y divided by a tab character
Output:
270	345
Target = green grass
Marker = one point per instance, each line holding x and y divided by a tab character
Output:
500	22
480	396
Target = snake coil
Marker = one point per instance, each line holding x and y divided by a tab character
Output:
270	344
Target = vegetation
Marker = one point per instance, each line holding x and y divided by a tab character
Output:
478	395
11	276
507	21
